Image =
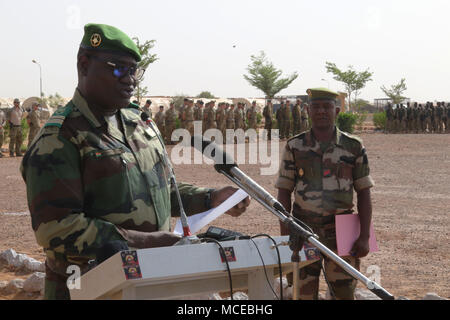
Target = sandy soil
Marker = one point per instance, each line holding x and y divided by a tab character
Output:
410	211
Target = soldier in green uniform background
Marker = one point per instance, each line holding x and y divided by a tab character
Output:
210	116
280	119
267	113
439	114
447	117
296	117
170	117
15	116
287	119
251	116
304	117
389	118
188	117
221	119
147	108
239	117
96	181
33	122
160	120
322	166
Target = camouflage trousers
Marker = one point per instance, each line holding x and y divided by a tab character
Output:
297	127
305	125
55	285
33	132
15	139
170	127
268	127
189	126
342	284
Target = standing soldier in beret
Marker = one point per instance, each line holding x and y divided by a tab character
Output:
389	118
267	113
281	119
147	108
287	119
33	122
251	116
305	123
323	166
171	117
230	120
239	117
96	181
296	117
160	120
188	117
220	119
15	129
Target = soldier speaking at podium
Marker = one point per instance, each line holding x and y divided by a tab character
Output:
95	175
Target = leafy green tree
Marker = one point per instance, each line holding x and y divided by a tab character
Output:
263	75
353	80
206	95
396	91
379	120
346	121
147	59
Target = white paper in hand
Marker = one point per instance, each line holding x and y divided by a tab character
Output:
198	221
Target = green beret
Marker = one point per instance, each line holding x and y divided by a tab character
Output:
106	38
321	94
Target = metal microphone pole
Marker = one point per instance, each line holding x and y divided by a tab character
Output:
187	238
232	172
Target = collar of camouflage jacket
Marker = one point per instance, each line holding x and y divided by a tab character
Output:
80	102
311	142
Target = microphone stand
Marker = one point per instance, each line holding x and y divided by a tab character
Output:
232	172
187	238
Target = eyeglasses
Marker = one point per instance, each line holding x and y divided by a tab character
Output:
120	71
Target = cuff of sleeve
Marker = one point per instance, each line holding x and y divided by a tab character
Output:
363	183
284	183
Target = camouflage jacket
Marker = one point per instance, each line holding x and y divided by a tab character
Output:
171	116
323	182
33	117
160	118
296	113
84	178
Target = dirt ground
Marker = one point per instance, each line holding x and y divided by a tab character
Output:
410	211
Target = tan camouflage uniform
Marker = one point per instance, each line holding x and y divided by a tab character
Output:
170	123
322	179
34	124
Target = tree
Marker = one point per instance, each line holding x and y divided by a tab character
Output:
52	101
147	59
353	80
396	91
263	75
206	95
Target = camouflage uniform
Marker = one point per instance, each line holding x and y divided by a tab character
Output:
322	178
15	131
447	124
34	124
296	119
146	109
239	119
160	121
280	120
439	114
210	118
304	117
170	123
85	178
428	123
198	114
230	121
267	113
287	121
188	118
221	120
251	116
389	119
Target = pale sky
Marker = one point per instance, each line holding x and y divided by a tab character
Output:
194	42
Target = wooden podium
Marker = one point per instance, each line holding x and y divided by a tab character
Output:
179	271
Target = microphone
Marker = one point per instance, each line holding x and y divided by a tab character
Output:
225	164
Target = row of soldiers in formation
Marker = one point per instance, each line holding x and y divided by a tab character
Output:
418	119
13	118
227	117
